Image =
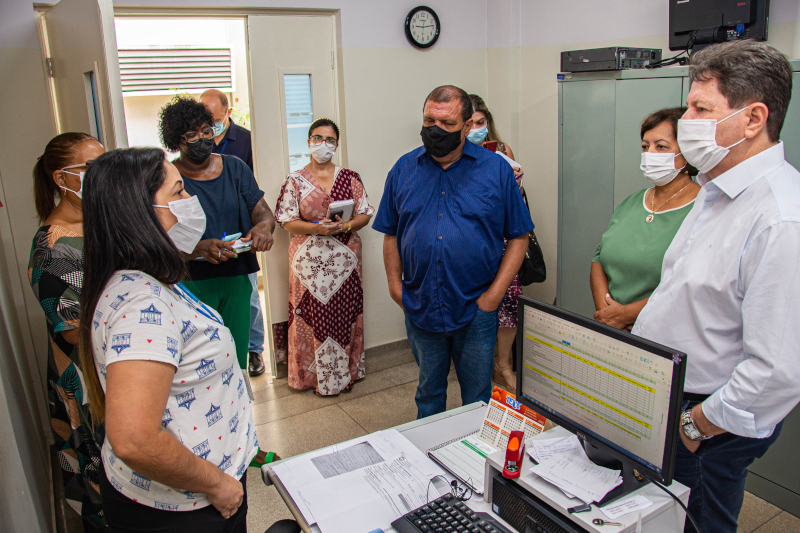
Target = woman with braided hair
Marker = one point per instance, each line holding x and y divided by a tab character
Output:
326	300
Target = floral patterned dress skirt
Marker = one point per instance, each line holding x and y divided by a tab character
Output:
507	314
326	300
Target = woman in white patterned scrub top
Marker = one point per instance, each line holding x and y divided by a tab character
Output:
179	425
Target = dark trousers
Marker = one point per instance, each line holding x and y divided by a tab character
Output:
715	473
471	349
124	515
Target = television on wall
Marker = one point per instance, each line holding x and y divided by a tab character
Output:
695	24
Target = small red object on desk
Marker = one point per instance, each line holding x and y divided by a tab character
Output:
515	451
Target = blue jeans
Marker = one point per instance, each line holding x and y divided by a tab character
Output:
715	473
472	350
256	318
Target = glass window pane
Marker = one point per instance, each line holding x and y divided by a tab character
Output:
299	116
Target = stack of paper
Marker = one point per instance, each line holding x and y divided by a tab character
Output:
361	485
563	463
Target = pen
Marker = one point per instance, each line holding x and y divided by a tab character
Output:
224	234
232	237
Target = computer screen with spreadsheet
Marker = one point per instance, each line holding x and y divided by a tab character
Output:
619	390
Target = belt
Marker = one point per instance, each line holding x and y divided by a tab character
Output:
692	397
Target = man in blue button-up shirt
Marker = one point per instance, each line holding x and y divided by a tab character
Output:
446	208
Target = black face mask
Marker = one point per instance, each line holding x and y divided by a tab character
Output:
199	151
439	142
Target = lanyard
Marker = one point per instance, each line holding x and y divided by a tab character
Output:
197	304
222	150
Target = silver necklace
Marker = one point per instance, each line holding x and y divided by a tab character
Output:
652	215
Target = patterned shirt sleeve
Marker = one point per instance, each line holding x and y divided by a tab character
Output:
143	328
56	280
363	207
288	207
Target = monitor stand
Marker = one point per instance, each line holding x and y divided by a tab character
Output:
631	479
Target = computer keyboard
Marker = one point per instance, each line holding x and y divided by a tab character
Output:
447	515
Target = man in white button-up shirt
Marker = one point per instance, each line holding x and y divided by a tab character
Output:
730	282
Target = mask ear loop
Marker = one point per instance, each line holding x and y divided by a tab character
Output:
732	115
673	162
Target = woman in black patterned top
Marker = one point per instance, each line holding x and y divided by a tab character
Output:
55	272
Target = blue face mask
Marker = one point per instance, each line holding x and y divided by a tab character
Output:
219	127
478	135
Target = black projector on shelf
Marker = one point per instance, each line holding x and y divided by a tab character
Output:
612	58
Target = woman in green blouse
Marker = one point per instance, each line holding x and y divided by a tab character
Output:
626	267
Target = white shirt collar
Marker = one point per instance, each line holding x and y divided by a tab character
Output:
734	181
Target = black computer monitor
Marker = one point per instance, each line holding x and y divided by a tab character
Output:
621	394
698	24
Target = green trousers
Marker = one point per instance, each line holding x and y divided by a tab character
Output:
230	297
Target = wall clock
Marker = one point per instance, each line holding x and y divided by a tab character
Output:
422	27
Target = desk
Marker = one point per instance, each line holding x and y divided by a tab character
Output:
423	434
663	516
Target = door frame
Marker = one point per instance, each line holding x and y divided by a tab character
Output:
233	13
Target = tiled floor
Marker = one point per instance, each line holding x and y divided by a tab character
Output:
291	422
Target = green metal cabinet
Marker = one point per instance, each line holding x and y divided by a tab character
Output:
599	153
600	115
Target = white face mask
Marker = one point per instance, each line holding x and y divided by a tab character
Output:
322	153
191	225
79	192
698	141
659	168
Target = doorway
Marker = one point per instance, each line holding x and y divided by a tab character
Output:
277	83
162	57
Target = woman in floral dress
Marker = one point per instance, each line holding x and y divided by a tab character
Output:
55	272
326	300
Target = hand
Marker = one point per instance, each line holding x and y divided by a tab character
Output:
342	224
488	303
227	496
613	314
261	235
214	251
329	227
691	445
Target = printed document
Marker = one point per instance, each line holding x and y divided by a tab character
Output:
578	476
544	449
359	471
367	499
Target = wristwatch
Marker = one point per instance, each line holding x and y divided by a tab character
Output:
689	428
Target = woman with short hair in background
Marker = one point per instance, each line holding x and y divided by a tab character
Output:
626	268
482	132
55	272
233	204
179	425
326	305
